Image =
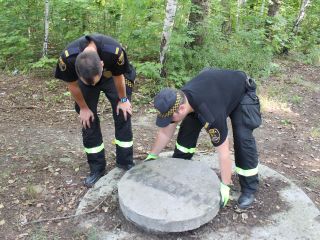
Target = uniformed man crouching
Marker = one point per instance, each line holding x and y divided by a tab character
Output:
89	65
207	101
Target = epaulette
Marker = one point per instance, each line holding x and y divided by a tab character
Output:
111	49
71	51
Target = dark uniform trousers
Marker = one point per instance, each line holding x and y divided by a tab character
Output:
92	137
246	156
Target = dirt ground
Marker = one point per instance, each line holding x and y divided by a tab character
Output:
43	164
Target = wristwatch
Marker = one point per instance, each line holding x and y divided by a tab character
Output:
123	99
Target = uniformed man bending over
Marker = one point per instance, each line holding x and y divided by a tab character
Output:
207	101
89	65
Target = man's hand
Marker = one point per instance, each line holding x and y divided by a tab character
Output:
125	107
86	116
225	194
151	157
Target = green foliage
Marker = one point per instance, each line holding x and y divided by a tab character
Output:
16	50
52	84
149	69
242	38
44	63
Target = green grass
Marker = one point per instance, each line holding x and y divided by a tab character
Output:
296	99
52	84
314	182
92	234
285	122
310	86
315	132
4	174
31	192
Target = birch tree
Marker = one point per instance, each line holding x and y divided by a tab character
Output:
46	28
304	5
301	15
166	32
240	4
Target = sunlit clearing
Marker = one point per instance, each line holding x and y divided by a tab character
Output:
272	105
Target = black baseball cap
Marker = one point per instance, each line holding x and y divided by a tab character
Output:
167	101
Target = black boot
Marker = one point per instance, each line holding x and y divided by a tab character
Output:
125	166
245	200
93	178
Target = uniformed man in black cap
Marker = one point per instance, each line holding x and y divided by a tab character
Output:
206	102
89	65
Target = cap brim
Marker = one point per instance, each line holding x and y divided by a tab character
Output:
163	122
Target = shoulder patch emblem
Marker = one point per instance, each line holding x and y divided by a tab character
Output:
214	135
121	59
62	65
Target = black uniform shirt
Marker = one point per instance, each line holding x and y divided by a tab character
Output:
110	52
213	95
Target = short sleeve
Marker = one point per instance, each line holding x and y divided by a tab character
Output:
121	64
65	69
218	132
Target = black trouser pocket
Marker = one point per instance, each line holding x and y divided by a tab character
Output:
250	107
131	74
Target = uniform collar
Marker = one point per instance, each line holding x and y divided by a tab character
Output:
96	41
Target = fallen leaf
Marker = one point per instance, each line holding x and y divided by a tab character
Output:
140	148
235	216
23	235
105	209
244	216
23	219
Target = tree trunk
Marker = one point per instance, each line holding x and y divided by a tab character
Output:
240	4
304	5
262	7
199	9
273	8
166	32
46	29
226	25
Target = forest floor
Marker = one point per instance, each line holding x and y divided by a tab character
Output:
43	164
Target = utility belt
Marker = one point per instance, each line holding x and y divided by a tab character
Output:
129	76
250	105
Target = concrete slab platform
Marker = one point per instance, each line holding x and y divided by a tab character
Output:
169	195
300	221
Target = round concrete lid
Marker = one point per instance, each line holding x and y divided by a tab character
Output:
169	195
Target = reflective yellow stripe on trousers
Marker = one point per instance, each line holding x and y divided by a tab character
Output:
123	144
184	149
247	173
94	149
